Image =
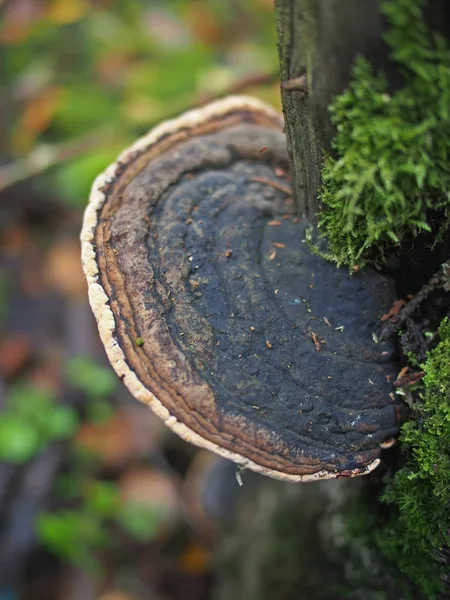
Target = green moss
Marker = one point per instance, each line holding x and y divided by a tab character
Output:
387	179
419	493
390	168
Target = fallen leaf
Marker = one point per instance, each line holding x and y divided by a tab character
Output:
204	24
47	375
131	433
67	11
316	341
394	310
388	443
36	117
15	350
18	20
14	240
116	595
63	269
195	559
409	379
151	488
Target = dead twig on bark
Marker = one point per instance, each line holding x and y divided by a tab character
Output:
395	323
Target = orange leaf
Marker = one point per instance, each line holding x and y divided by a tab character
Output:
195	559
36	117
15	351
67	11
63	269
19	17
129	434
394	310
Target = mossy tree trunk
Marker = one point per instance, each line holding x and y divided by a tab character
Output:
318	41
317	44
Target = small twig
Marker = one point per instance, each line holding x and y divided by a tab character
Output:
316	341
395	323
409	379
278	186
47	156
251	80
297	83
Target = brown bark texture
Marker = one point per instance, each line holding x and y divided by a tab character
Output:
318	41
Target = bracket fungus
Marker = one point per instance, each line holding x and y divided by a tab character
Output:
214	312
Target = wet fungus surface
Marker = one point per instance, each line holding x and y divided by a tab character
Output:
214	312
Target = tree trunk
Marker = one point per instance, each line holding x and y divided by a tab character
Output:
317	44
318	41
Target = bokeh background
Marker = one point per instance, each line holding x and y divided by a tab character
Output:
97	498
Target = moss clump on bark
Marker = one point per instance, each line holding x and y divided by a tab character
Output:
391	169
388	179
418	532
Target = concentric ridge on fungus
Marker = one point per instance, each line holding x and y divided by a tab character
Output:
214	313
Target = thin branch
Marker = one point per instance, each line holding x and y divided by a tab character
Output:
47	156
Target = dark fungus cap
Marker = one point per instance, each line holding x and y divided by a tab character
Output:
214	312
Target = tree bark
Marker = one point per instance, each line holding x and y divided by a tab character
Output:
318	41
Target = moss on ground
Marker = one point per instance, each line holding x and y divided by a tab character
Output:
391	166
418	531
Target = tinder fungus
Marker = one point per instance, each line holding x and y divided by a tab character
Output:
214	312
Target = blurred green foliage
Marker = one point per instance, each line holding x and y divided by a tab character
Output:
71	68
32	420
79	534
97	382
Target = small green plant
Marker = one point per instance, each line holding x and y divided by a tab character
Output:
420	492
97	382
392	152
79	534
31	421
